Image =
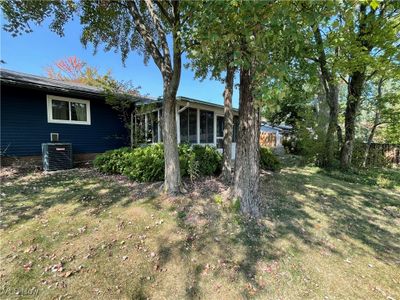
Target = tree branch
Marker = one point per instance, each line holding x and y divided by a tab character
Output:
344	79
164	12
162	36
325	74
177	48
371	75
145	34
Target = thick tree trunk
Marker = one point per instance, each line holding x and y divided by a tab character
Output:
353	102
355	88
333	101
228	125
172	179
332	98
339	136
247	170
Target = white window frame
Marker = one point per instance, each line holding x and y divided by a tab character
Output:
69	100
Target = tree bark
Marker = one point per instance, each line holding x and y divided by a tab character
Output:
369	142
355	88
247	170
356	84
158	48
228	125
333	102
172	179
332	98
339	136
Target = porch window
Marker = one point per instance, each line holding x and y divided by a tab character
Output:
68	110
206	126
220	132
188	125
140	129
152	127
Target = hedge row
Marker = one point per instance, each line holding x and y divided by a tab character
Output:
146	164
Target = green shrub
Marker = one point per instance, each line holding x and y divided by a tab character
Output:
208	158
112	161
268	160
147	163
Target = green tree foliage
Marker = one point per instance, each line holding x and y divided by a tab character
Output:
250	31
351	42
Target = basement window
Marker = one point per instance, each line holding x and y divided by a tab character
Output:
65	110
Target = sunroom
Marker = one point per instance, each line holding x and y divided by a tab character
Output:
198	122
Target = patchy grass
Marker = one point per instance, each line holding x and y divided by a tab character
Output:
79	234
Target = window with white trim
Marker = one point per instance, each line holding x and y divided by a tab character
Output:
68	110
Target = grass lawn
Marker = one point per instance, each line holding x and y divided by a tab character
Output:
79	234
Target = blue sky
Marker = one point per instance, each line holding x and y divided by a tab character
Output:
31	53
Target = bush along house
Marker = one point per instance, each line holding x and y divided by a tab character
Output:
37	110
198	122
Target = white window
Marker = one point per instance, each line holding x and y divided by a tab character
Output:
68	110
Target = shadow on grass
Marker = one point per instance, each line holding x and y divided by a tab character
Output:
353	210
289	196
29	196
212	234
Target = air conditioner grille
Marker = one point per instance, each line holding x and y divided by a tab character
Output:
57	156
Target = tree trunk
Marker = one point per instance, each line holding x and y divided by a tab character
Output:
353	101
339	136
172	178
228	125
333	102
247	170
369	142
332	98
355	88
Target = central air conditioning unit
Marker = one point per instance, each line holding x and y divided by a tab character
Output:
57	156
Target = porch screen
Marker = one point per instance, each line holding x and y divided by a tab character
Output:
206	126
188	126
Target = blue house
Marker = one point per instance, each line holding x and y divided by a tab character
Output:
33	108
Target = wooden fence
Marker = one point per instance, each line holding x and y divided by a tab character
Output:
389	151
380	154
267	139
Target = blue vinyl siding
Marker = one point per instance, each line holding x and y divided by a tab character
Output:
24	125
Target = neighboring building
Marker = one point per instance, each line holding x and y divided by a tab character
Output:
272	136
198	122
34	107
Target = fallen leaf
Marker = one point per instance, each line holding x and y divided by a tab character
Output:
31	249
28	266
